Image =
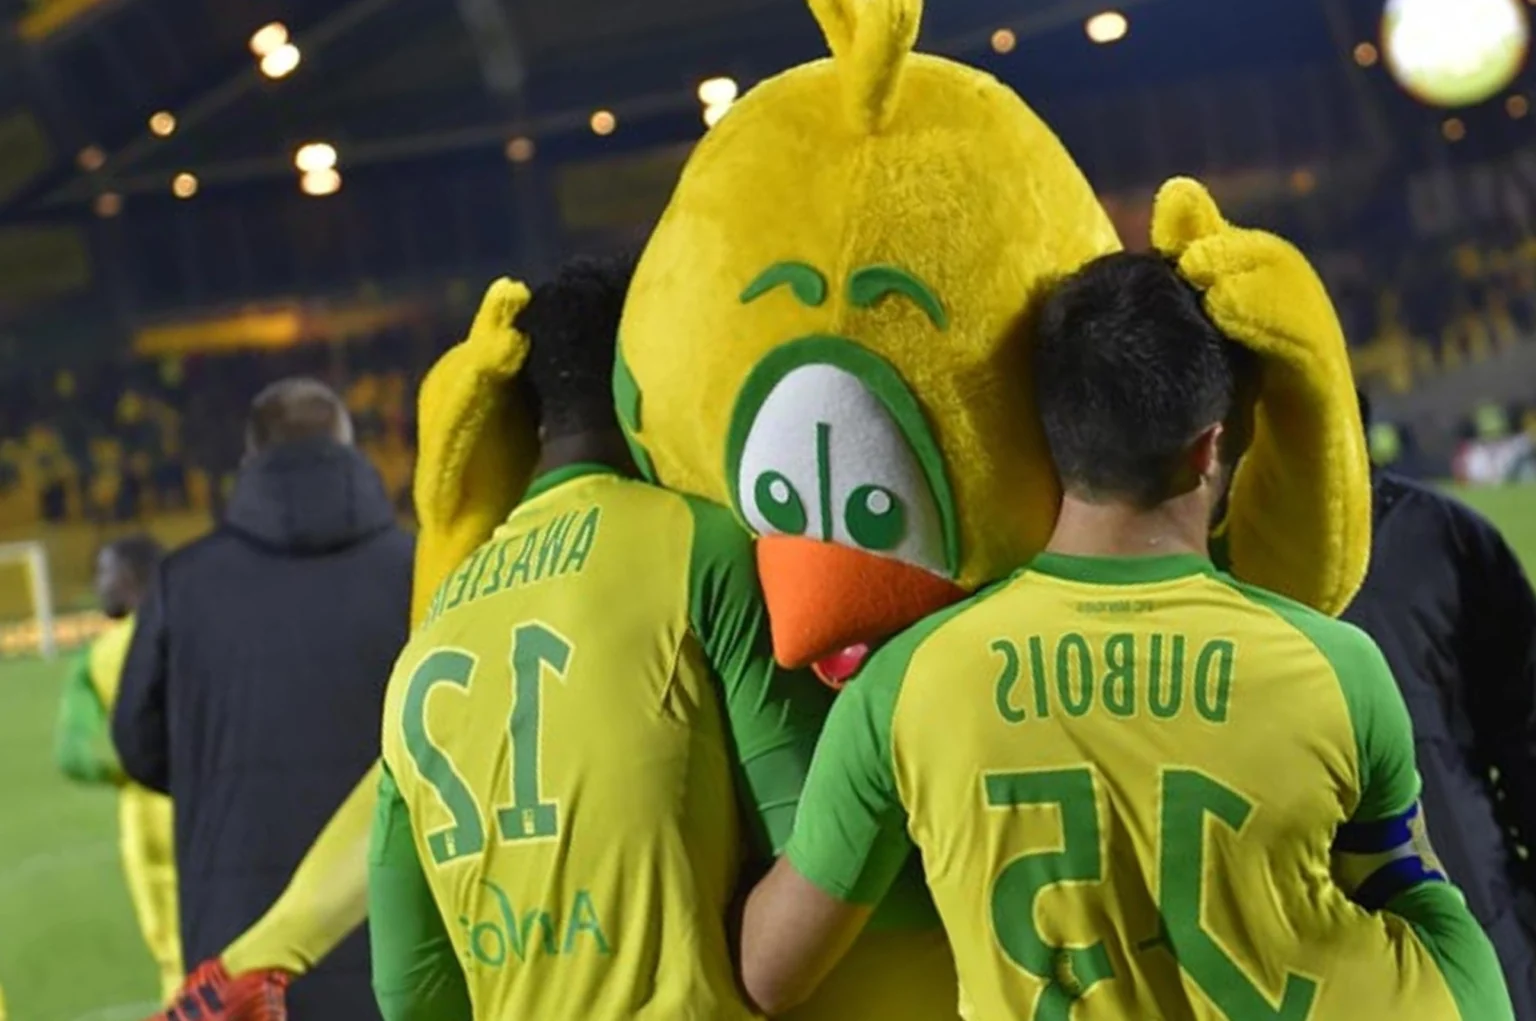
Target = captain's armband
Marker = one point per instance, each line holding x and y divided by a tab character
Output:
1376	861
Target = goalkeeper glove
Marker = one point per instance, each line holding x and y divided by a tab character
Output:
211	994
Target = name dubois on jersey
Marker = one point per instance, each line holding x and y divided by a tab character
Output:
1162	675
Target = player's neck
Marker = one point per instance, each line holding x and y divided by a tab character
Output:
1086	529
585	448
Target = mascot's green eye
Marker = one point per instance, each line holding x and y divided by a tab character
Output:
876	519
779	504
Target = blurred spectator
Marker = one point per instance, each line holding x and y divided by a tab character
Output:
254	685
1455	616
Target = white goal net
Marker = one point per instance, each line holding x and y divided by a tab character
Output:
32	557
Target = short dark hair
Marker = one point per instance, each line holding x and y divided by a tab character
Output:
138	554
572	325
295	409
1128	370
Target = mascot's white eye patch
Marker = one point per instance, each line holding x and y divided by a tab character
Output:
824	459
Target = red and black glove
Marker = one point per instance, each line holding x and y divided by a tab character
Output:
210	994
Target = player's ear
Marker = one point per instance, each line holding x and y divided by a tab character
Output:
1205	453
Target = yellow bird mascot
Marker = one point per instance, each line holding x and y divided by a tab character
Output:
829	332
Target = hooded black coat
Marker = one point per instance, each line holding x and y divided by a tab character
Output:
253	691
1456	619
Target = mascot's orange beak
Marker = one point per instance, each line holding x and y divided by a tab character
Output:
827	602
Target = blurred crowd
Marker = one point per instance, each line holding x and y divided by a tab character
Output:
1414	311
119	441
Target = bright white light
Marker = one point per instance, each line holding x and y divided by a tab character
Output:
718	91
315	156
281	61
268	38
320	182
714	112
1109	27
1455	52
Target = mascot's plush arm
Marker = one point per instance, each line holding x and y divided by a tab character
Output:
477	450
477	443
324	901
1300	517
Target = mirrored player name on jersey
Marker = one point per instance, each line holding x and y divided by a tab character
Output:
516	936
1123	675
554	549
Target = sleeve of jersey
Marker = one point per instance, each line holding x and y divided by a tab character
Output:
416	976
82	743
1384	849
774	714
850	836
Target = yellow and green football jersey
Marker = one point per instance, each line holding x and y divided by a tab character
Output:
563	735
145	818
1143	790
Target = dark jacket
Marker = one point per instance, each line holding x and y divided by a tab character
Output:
253	691
1455	616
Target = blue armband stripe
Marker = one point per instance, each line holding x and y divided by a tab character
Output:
1375	837
1392	879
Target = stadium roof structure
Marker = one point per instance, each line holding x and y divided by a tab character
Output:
388	81
420	100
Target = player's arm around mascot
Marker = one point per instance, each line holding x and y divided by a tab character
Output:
829	332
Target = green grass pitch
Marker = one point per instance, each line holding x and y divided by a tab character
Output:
69	949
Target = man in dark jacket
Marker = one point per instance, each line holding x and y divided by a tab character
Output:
1456	618
253	689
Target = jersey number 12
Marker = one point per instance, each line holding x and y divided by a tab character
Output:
528	817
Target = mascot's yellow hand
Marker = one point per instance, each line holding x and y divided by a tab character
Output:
476	443
1259	290
494	346
1300	517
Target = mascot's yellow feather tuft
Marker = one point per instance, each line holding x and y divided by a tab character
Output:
870	42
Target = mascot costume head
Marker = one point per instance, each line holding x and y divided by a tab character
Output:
829	331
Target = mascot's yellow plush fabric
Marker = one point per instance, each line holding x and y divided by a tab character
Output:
829	332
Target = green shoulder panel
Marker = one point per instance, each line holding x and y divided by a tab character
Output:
1389	779
83	734
851	837
774	715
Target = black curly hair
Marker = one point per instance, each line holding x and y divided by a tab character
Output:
572	325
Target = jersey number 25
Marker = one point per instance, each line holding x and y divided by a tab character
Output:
1187	798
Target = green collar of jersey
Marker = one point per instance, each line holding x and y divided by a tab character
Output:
1121	570
559	476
